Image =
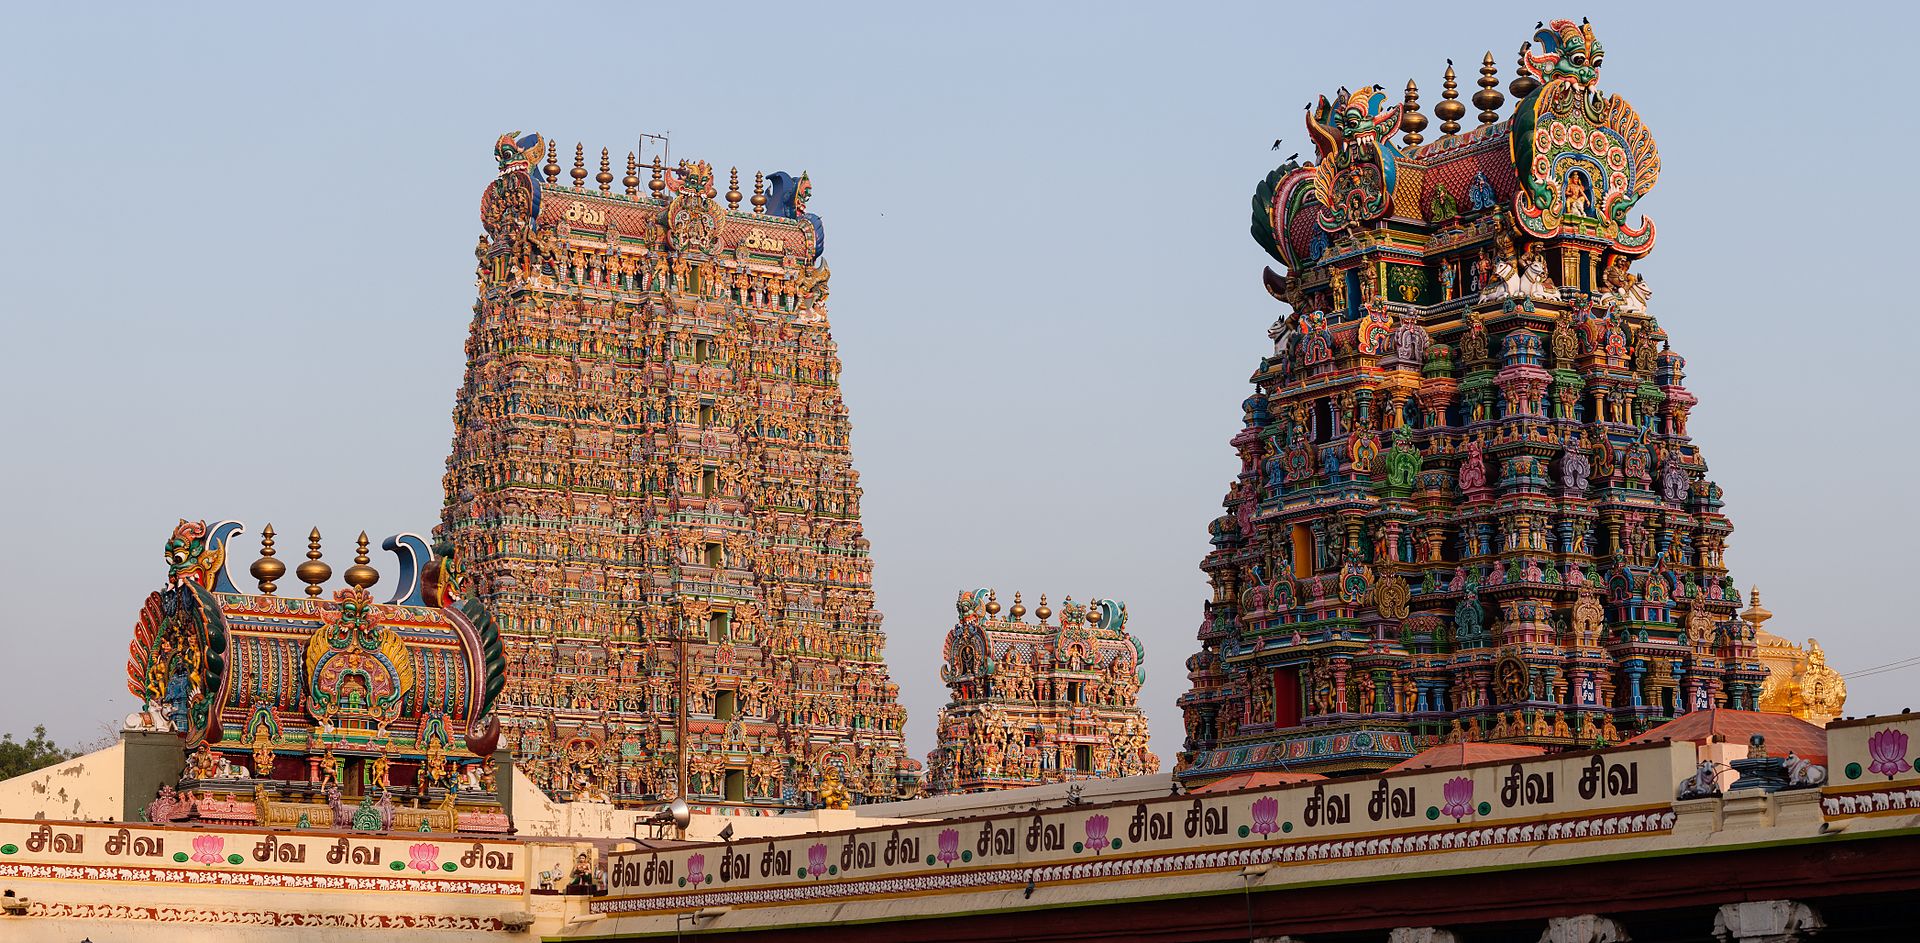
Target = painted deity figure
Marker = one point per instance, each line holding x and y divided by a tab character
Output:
1473	467
1625	291
1534	282
1480	195
1579	199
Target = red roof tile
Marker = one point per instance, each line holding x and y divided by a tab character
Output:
1784	732
1448	755
1260	779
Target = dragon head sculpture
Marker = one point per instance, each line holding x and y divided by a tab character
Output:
515	151
1567	51
1353	134
188	558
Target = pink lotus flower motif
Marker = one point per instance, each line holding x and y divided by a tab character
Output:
1889	749
817	859
209	849
1266	815
1096	832
1458	793
696	868
949	845
423	857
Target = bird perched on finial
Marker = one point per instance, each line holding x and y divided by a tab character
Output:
1293	157
1540	25
1378	87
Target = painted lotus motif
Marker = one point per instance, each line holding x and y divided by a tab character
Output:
1458	796
1889	751
423	857
1266	815
696	869
949	845
209	849
1096	832
817	859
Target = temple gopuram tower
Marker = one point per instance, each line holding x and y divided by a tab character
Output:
1033	703
1468	507
652	488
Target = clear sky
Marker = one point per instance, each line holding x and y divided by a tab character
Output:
238	246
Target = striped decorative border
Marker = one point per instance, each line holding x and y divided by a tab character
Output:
95	872
265	918
1485	836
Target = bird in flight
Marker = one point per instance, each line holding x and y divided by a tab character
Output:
1276	145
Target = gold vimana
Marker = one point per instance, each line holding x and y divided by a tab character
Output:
652	489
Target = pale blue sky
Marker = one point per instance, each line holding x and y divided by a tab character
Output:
239	254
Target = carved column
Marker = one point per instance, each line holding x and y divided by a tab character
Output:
1585	928
1766	921
1421	935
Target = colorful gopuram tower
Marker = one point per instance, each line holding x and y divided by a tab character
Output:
651	482
1033	703
1467	506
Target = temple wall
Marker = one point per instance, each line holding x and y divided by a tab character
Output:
85	788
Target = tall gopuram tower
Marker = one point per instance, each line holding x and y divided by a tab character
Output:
652	488
1467	506
1032	703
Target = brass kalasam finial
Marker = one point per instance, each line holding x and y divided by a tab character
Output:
1018	611
759	192
993	603
1411	120
605	177
1043	613
1523	82
315	571
632	180
659	182
267	569
1756	614
360	574
733	189
579	172
552	169
1449	111
1488	99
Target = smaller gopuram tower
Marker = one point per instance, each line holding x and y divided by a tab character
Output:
1468	507
297	711
1035	703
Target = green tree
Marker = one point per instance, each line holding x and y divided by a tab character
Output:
18	759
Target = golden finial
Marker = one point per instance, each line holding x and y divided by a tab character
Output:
1018	611
315	571
659	182
605	177
267	569
632	180
1756	614
1523	82
360	574
1488	99
733	189
1411	120
579	172
1043	613
993	603
552	169
1450	111
759	192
